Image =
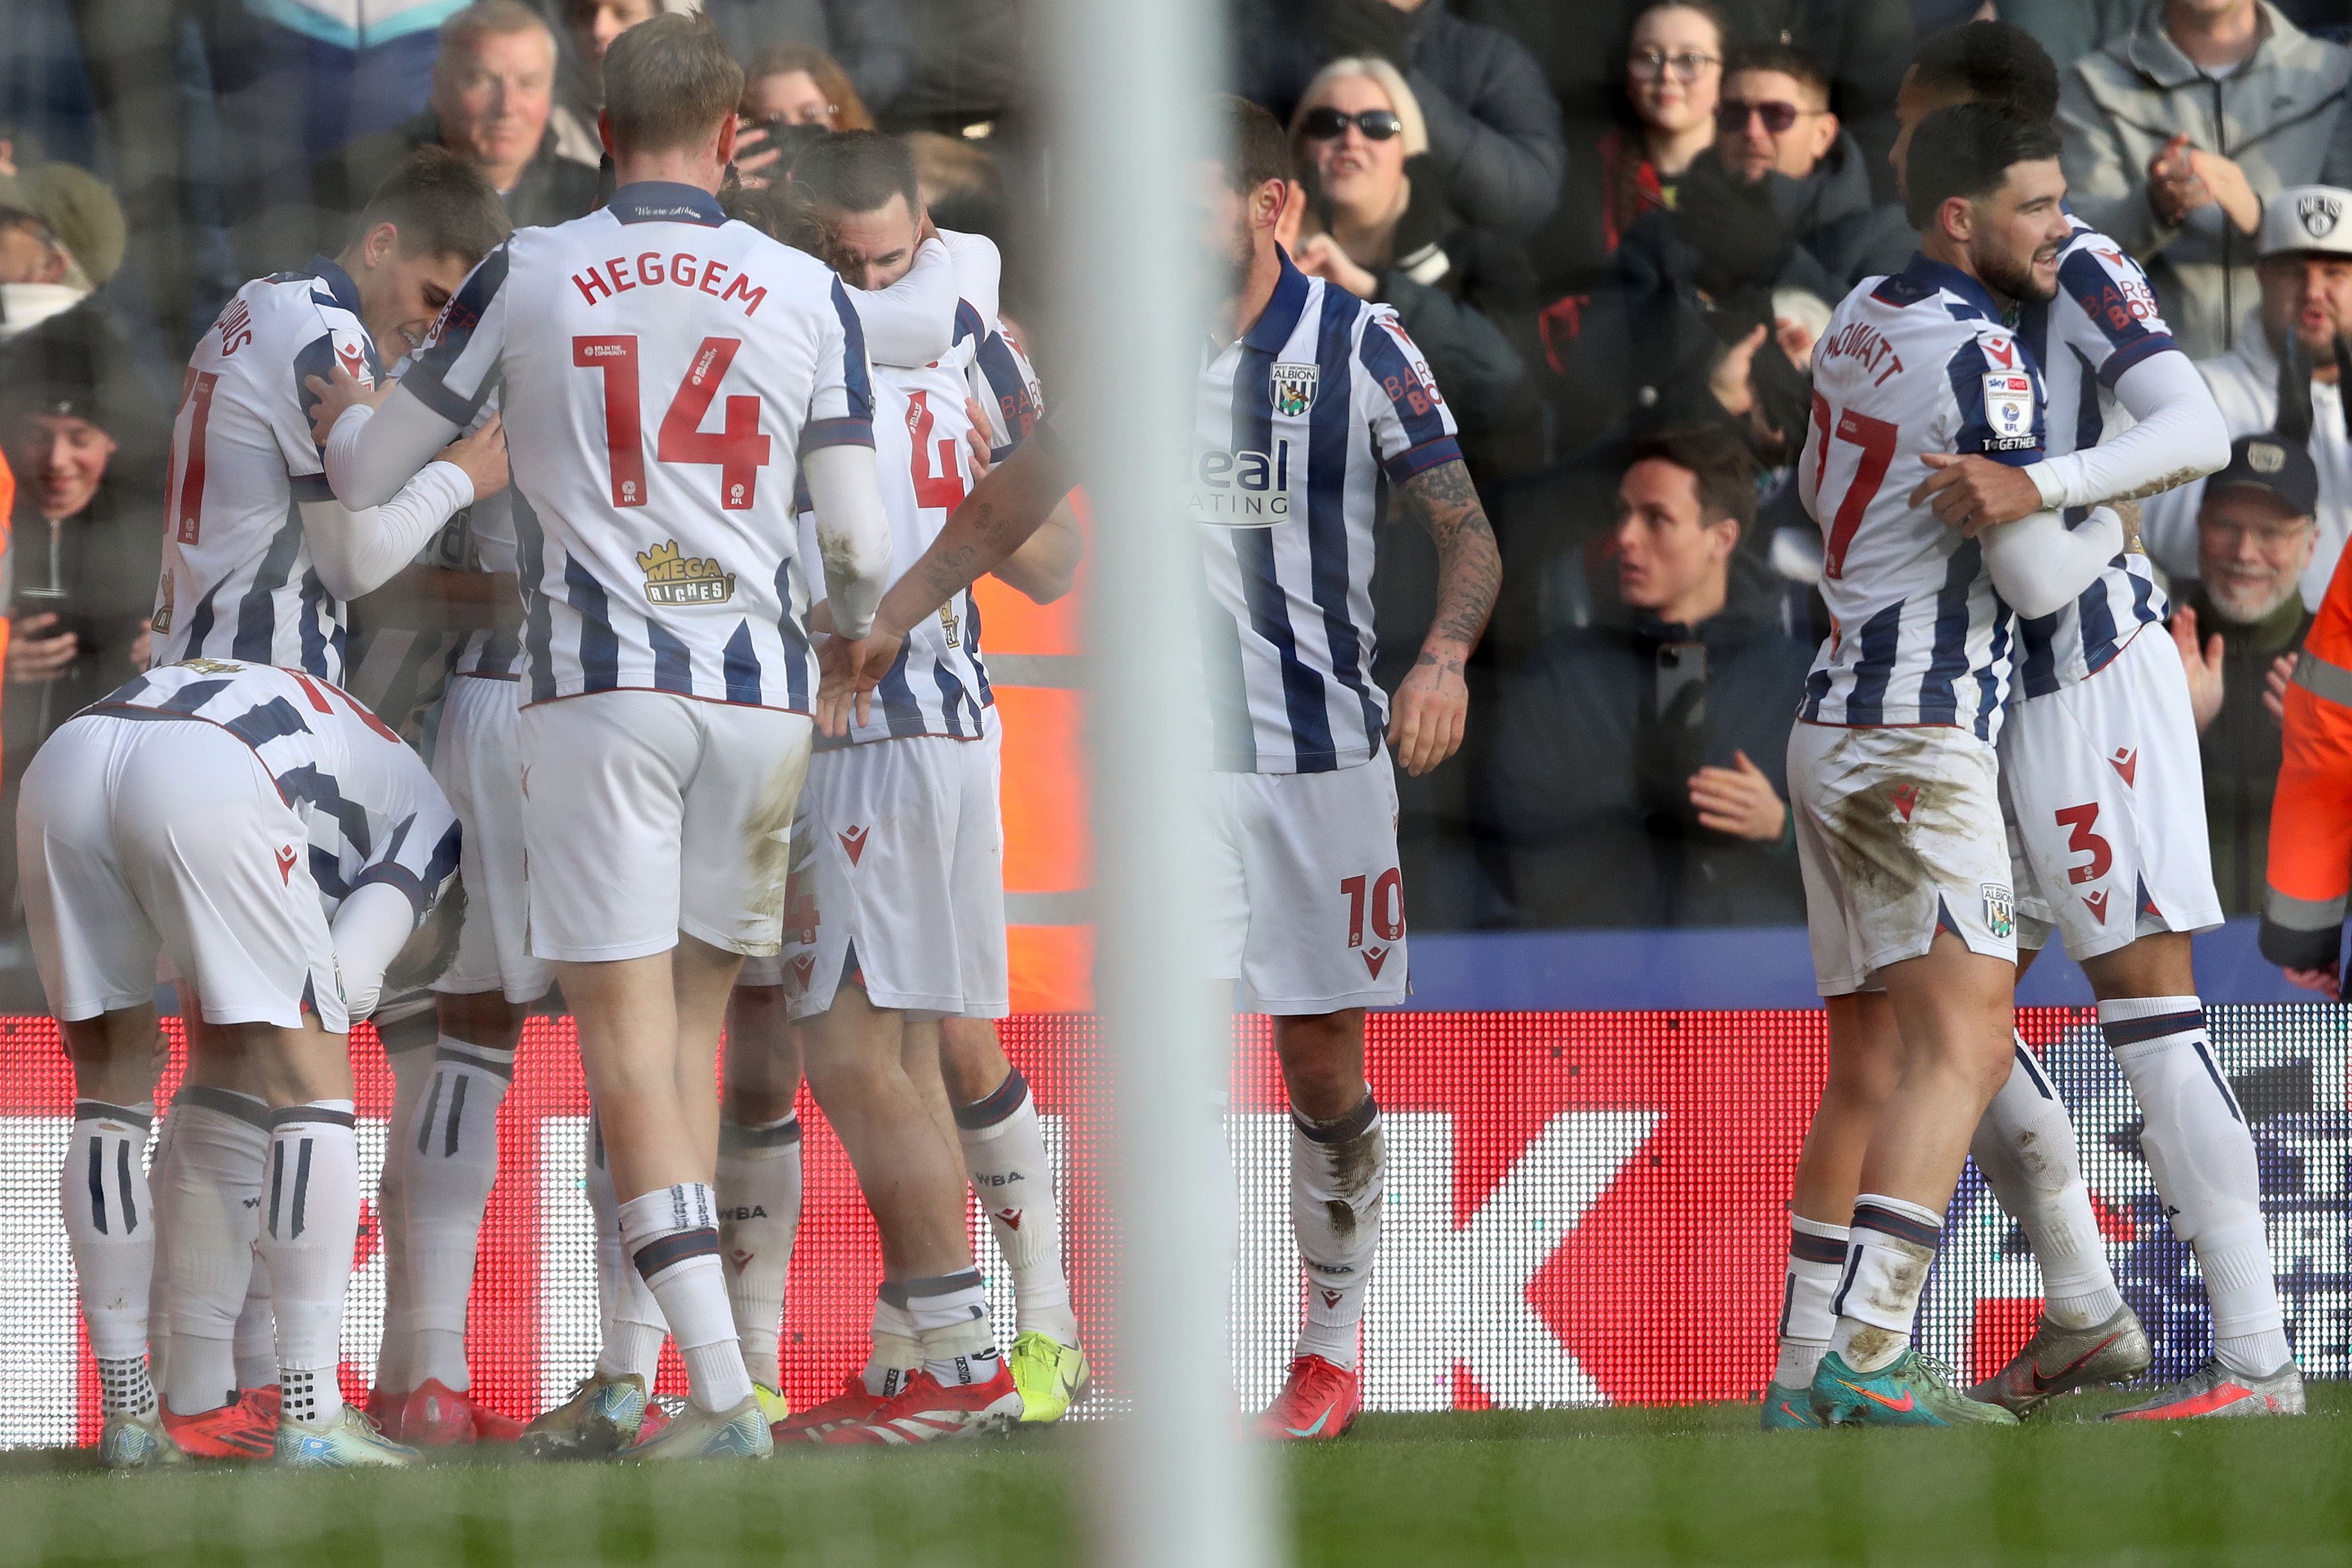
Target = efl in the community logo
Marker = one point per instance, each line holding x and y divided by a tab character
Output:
1294	388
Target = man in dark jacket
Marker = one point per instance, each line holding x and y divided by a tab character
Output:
493	94
2239	628
1494	126
1776	126
1638	776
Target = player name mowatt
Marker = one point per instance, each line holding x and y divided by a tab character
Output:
649	268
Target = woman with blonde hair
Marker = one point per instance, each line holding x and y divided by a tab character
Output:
1369	214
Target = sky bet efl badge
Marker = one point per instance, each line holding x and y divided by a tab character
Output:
2009	410
1294	388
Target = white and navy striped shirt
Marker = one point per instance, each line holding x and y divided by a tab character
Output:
237	579
2103	320
1916	362
939	683
373	811
1300	422
663	370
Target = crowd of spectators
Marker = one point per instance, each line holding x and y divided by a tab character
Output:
1614	228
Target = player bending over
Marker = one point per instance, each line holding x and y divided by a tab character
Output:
662	367
1891	767
284	850
1307	898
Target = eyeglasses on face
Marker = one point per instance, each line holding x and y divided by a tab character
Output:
1648	65
1326	124
1731	116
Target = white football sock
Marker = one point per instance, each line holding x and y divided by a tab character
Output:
2025	1147
310	1219
950	1314
452	1150
111	1231
1005	1149
257	1331
159	1285
1339	1177
672	1236
208	1202
629	1319
897	1349
1816	1258
2201	1155
1889	1249
409	1052
758	1216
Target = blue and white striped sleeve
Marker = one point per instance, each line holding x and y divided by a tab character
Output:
1412	430
455	370
1011	398
2108	311
2000	396
841	406
417	852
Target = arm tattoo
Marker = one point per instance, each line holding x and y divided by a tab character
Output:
1470	566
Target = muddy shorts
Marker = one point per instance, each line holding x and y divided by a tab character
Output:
646	813
1899	836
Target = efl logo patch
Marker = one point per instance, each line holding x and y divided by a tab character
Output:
1294	387
2009	409
2000	910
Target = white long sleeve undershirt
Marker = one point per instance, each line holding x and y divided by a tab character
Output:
2040	565
2179	436
358	550
853	534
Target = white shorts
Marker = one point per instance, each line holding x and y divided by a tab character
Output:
2105	796
899	858
646	814
1899	836
477	763
1306	902
139	836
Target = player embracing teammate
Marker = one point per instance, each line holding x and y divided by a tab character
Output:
663	370
2098	783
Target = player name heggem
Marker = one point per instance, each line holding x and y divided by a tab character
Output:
620	275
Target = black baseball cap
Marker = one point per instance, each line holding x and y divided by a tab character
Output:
2272	462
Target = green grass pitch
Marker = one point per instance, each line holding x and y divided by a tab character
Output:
1610	1487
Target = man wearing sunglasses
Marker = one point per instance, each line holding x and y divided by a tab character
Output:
1774	120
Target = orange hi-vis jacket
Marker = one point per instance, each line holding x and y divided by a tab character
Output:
2311	822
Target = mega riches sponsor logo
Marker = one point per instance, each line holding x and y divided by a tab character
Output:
673	579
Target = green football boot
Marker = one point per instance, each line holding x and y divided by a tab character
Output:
1912	1390
1790	1408
1051	1376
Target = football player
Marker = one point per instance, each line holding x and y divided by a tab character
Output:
286	850
664	370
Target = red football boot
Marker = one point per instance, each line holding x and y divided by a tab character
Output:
384	1408
237	1431
927	1410
851	1405
438	1416
1318	1400
267	1400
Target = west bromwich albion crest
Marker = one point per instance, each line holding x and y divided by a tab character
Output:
1294	387
2009	409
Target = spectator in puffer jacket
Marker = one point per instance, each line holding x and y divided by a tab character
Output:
1494	126
1774	125
2179	133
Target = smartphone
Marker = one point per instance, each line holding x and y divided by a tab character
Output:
31	602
